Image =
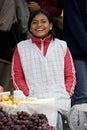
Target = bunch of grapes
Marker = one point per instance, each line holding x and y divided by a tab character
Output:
23	121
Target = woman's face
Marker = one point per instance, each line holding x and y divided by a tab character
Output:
40	26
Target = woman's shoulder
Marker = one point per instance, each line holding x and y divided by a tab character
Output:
62	42
24	42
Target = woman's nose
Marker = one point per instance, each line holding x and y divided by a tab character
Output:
39	23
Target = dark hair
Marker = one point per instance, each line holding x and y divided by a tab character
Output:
33	14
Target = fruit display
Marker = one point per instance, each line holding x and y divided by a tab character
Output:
15	102
7	99
23	121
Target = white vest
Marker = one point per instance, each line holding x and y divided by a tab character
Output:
44	74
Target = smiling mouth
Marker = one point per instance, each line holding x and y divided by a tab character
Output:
40	29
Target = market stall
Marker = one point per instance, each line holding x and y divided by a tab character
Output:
29	105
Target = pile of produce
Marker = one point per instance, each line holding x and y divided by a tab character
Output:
23	121
6	99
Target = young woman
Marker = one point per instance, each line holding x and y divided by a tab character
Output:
42	66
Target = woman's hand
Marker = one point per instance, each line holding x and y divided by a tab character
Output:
33	6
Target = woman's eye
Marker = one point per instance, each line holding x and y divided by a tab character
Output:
44	21
34	22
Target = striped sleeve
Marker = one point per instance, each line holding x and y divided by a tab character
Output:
69	71
18	75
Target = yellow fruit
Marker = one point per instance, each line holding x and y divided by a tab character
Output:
15	102
5	102
26	99
9	102
5	98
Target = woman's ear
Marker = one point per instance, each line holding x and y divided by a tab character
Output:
30	30
51	26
